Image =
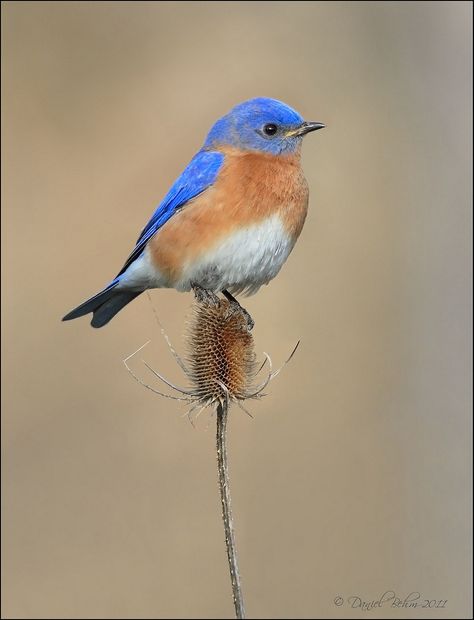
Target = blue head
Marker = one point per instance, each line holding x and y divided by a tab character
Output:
261	124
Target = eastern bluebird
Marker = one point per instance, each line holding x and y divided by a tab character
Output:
230	220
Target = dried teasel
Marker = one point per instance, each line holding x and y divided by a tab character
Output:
220	363
221	359
221	368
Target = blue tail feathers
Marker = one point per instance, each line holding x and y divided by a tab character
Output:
104	305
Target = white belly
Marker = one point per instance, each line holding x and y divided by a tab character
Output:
242	262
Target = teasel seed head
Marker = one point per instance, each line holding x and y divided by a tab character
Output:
220	362
221	359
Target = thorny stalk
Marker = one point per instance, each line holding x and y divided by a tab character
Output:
224	488
221	368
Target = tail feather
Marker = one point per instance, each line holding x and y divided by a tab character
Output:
104	305
109	309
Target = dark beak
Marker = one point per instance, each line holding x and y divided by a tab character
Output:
306	127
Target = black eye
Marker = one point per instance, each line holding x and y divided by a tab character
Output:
270	129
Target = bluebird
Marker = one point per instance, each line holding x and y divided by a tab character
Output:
229	221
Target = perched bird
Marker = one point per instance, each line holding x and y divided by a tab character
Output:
230	220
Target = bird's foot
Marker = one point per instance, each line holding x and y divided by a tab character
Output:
202	295
233	302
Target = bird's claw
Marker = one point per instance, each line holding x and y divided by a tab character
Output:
202	295
248	318
235	304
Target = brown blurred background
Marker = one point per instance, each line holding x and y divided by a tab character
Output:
352	479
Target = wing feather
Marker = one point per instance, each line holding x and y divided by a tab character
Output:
200	174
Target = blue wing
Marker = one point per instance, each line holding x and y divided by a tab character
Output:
200	173
196	178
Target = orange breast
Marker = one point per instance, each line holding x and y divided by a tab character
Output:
250	188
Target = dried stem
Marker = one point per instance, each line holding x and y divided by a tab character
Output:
221	368
224	488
